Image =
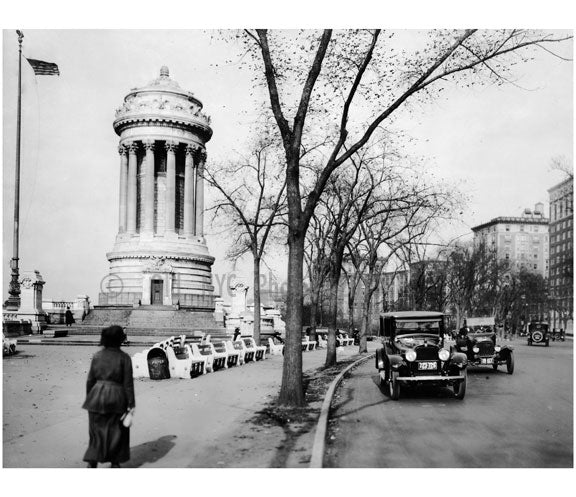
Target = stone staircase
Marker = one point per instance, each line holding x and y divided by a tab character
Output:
151	321
101	318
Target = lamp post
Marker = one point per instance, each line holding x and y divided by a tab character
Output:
13	301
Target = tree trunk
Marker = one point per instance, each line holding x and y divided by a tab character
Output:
363	347
314	296
292	390
351	298
256	334
458	318
334	279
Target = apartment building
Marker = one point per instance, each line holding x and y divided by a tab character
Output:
522	241
561	280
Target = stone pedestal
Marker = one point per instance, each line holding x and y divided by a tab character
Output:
238	304
31	285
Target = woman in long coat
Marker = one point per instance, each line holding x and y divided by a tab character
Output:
109	395
69	317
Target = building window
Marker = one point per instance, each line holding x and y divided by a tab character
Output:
507	227
507	256
521	227
535	229
535	266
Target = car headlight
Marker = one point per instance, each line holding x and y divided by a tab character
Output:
497	348
476	349
411	355
443	354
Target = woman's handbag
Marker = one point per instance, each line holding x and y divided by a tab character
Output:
127	418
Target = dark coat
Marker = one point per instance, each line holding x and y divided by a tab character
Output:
110	385
69	317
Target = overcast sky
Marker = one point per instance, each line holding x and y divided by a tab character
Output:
497	141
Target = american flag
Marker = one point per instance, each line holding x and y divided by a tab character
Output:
42	68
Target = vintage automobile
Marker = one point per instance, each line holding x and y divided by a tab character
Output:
559	335
413	353
479	345
538	333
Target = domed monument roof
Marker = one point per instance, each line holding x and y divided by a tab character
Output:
162	101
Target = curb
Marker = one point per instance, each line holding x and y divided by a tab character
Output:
317	459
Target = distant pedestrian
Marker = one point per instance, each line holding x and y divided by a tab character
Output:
109	395
278	336
69	317
236	334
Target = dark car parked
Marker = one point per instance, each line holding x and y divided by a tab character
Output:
413	352
559	335
538	334
481	348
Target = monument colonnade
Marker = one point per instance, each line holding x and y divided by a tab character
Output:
193	204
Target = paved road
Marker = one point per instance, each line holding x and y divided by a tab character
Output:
519	420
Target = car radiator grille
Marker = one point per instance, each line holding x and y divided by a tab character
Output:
426	353
486	348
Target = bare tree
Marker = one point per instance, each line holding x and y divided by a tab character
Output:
352	282
405	214
332	75
251	201
473	280
562	164
350	198
316	257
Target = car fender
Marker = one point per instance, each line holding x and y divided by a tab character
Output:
380	362
395	361
505	351
458	359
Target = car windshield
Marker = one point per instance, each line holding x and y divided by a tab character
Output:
418	326
538	327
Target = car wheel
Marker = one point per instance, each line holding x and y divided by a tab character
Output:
510	363
460	386
394	386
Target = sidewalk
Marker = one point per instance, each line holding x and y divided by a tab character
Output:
202	422
87	340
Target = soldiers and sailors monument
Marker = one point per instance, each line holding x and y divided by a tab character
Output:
160	260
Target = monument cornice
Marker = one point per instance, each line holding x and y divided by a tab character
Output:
147	255
186	124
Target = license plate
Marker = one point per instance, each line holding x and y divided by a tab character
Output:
487	360
427	365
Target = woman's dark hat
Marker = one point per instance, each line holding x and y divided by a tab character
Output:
113	336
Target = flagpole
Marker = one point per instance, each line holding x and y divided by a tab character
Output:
14	286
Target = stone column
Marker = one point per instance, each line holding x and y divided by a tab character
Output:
170	203
122	217
132	183
31	300
200	194
189	191
148	190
